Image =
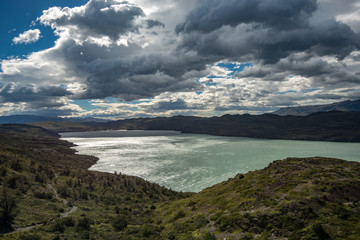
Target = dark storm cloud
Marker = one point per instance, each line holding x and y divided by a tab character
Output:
140	76
45	96
154	23
265	30
213	14
110	18
177	104
134	86
323	73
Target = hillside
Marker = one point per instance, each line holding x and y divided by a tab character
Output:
327	126
311	198
43	180
345	106
46	187
25	119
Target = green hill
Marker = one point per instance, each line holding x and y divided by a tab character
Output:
42	179
47	193
311	198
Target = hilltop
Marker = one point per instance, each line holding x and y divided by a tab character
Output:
46	186
345	106
26	119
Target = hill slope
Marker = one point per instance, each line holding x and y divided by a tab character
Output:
345	106
42	179
328	126
308	198
25	119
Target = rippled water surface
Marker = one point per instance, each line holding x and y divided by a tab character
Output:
191	162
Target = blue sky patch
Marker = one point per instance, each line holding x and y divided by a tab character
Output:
85	104
16	16
310	90
285	92
142	101
213	76
234	67
211	84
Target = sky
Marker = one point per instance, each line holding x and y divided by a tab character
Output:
118	59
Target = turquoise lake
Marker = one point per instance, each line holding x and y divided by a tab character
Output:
192	162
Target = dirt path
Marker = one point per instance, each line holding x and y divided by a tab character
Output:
50	186
63	215
72	210
24	228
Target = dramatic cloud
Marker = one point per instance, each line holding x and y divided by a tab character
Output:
97	18
43	96
210	15
30	36
264	30
200	57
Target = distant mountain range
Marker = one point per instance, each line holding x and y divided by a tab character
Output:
322	126
25	119
345	106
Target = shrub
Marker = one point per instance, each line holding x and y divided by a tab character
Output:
58	227
7	211
178	215
320	232
43	195
68	222
146	231
30	236
3	171
200	221
209	236
16	165
119	223
11	182
84	223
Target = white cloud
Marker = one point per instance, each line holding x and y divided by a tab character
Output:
130	50
30	36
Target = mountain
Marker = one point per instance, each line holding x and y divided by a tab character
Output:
346	106
323	126
24	119
48	193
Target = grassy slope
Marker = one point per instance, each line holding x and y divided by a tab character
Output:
31	158
312	198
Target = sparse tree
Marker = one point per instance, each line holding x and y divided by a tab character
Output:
7	211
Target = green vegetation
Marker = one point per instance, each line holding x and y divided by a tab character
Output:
311	198
42	180
46	189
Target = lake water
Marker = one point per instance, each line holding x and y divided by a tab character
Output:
192	162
